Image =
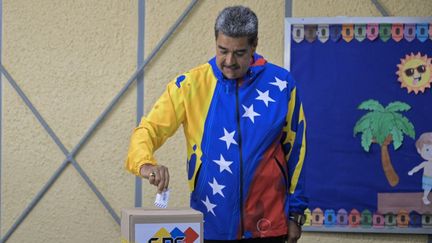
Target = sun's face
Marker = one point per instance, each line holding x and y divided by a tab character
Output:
415	72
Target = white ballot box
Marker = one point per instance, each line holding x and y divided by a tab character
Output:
141	225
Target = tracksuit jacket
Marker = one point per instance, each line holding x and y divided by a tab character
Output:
245	147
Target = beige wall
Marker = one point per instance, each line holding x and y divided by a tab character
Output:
71	58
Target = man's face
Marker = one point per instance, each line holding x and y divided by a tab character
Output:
233	55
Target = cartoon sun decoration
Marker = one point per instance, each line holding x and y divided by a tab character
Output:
415	72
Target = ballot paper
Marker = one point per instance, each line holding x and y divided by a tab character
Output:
161	200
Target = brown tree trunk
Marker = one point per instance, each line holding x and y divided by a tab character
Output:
389	171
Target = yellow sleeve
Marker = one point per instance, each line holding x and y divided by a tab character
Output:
161	122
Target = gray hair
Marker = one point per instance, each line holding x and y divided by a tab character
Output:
238	21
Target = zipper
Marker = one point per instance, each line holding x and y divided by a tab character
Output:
241	159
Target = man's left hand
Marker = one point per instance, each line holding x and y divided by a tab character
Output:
294	232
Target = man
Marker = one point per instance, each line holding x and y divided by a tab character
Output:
245	135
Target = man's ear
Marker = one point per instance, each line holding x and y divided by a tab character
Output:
418	150
254	45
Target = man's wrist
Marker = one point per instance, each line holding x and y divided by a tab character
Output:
297	218
145	170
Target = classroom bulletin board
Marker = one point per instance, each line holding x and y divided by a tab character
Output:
365	84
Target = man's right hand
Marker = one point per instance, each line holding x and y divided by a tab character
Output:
157	175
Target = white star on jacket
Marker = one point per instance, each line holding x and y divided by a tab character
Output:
264	96
250	113
281	84
209	205
228	137
223	164
217	188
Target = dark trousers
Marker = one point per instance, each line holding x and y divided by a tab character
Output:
279	239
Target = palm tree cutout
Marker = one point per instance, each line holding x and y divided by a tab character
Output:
383	126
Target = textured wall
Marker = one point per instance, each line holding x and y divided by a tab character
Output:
360	8
71	58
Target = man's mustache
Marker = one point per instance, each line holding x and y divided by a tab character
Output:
231	67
